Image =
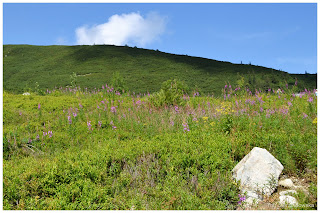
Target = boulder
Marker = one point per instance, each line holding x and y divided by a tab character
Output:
286	183
288	192
258	173
287	200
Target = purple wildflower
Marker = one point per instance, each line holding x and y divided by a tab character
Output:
113	126
241	199
89	125
113	109
284	111
186	127
69	120
50	134
176	108
74	114
39	106
138	102
305	115
99	123
310	99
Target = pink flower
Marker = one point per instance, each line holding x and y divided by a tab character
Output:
89	125
186	127
113	109
305	115
176	108
50	134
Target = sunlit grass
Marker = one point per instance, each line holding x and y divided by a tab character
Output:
83	149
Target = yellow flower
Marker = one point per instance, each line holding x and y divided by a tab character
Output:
205	118
314	121
212	123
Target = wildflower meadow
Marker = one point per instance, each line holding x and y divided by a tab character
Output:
103	149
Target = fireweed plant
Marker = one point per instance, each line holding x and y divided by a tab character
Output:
108	149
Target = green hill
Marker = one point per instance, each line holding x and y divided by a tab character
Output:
142	70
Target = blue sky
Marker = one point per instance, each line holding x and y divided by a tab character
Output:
279	36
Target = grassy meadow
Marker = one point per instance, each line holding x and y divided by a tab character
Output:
73	148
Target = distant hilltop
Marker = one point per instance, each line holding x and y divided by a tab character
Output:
141	70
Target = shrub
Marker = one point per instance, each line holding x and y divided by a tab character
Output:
118	82
171	93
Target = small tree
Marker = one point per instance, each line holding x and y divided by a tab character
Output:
171	93
118	82
38	90
73	79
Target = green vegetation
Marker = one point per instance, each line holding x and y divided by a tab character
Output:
134	69
84	140
171	93
82	149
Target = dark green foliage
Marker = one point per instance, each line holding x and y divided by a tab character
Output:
118	82
142	70
171	93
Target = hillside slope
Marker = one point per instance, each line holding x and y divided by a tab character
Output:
143	70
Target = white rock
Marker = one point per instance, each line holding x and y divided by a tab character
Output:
288	200
250	201
287	183
288	192
255	172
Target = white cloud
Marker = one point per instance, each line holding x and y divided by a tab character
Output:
124	29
